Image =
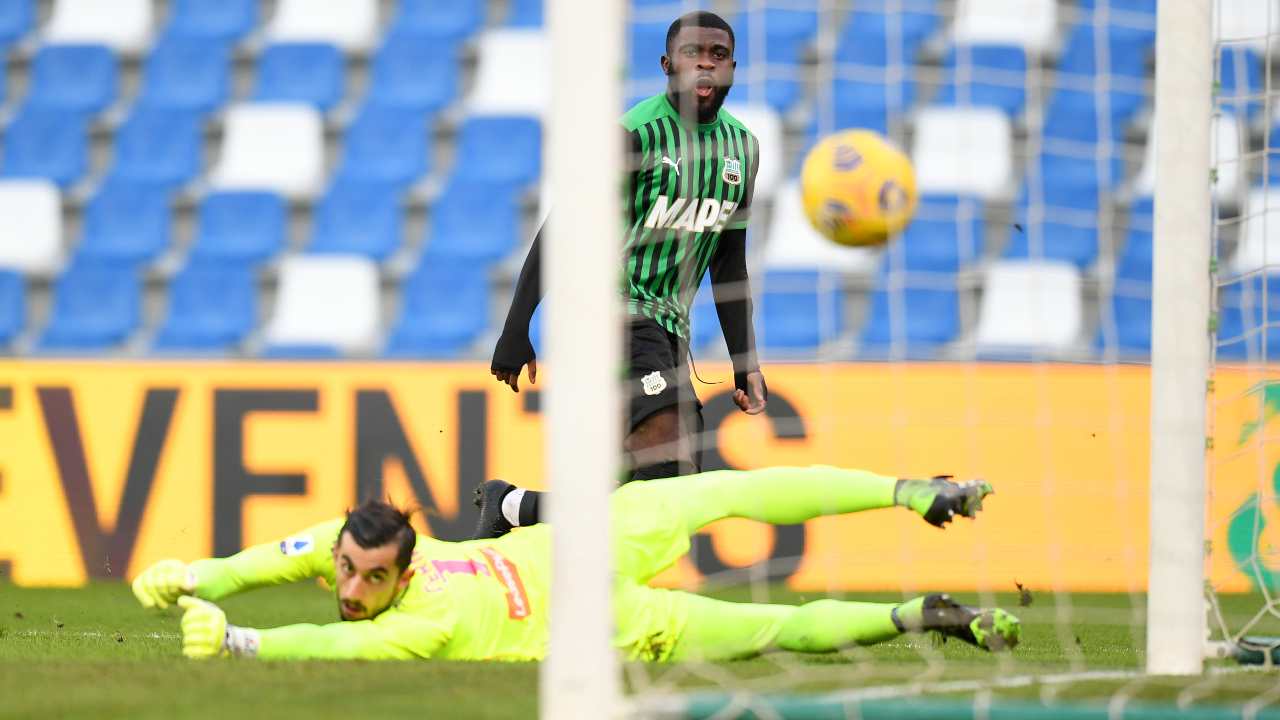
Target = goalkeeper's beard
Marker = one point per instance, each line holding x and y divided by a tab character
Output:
688	104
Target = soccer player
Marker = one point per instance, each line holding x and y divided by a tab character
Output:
404	595
691	170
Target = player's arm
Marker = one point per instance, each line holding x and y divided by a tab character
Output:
305	555
514	350
393	635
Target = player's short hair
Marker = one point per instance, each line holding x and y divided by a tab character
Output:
699	18
375	523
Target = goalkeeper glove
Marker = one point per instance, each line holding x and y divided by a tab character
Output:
161	584
939	500
206	634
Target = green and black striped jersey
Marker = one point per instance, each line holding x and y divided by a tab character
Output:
685	186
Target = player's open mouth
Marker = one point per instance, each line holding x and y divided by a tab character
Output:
350	610
704	87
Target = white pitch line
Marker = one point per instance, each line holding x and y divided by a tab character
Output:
95	634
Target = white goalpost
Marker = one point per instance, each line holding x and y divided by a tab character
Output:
580	677
1180	340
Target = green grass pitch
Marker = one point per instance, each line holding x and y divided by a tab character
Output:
95	653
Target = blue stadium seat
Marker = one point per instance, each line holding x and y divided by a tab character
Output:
945	236
913	321
647	42
95	307
312	73
985	75
1077	115
1136	255
17	17
300	352
222	20
212	306
1073	181
246	227
525	14
415	75
499	149
800	310
1127	52
474	222
1059	237
187	73
862	104
13	305
877	39
385	145
363	218
46	143
451	21
159	147
787	34
1130	309
77	78
1240	81
125	223
444	309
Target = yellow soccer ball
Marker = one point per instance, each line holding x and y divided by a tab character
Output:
858	188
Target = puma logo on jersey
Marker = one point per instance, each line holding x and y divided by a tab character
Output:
675	164
696	215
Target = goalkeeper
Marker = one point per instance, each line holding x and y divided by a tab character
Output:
404	595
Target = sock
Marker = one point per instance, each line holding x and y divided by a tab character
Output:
529	511
909	616
511	506
829	625
657	471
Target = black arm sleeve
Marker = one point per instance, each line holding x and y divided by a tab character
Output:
514	350
732	290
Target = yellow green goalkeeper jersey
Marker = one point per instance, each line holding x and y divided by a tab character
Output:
481	600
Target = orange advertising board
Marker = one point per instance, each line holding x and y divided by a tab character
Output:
107	467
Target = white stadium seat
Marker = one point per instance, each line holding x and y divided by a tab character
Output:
514	74
765	123
963	151
1260	233
328	300
31	233
272	146
350	24
1030	305
1031	24
1247	22
124	25
795	244
1226	146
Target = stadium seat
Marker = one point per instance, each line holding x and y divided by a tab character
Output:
125	223
911	316
17	17
1227	146
525	14
311	73
94	308
1130	319
1060	234
1134	262
771	74
514	74
449	22
271	146
1080	116
300	351
499	150
1029	306
225	21
1031	24
187	73
862	104
46	143
31	233
1126	57
159	147
1073	180
358	218
1239	87
13	306
875	38
411	74
350	24
240	227
985	75
1249	22
962	151
646	45
73	78
766	125
1259	245
795	244
326	300
945	236
386	145
212	306
244	227
123	25
800	310
473	222
444	308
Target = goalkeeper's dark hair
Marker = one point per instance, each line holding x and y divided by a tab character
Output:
376	522
699	18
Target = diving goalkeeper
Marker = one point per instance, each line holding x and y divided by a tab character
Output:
402	595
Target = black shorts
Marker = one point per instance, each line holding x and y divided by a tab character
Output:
658	376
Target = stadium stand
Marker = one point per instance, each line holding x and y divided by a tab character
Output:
31	234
